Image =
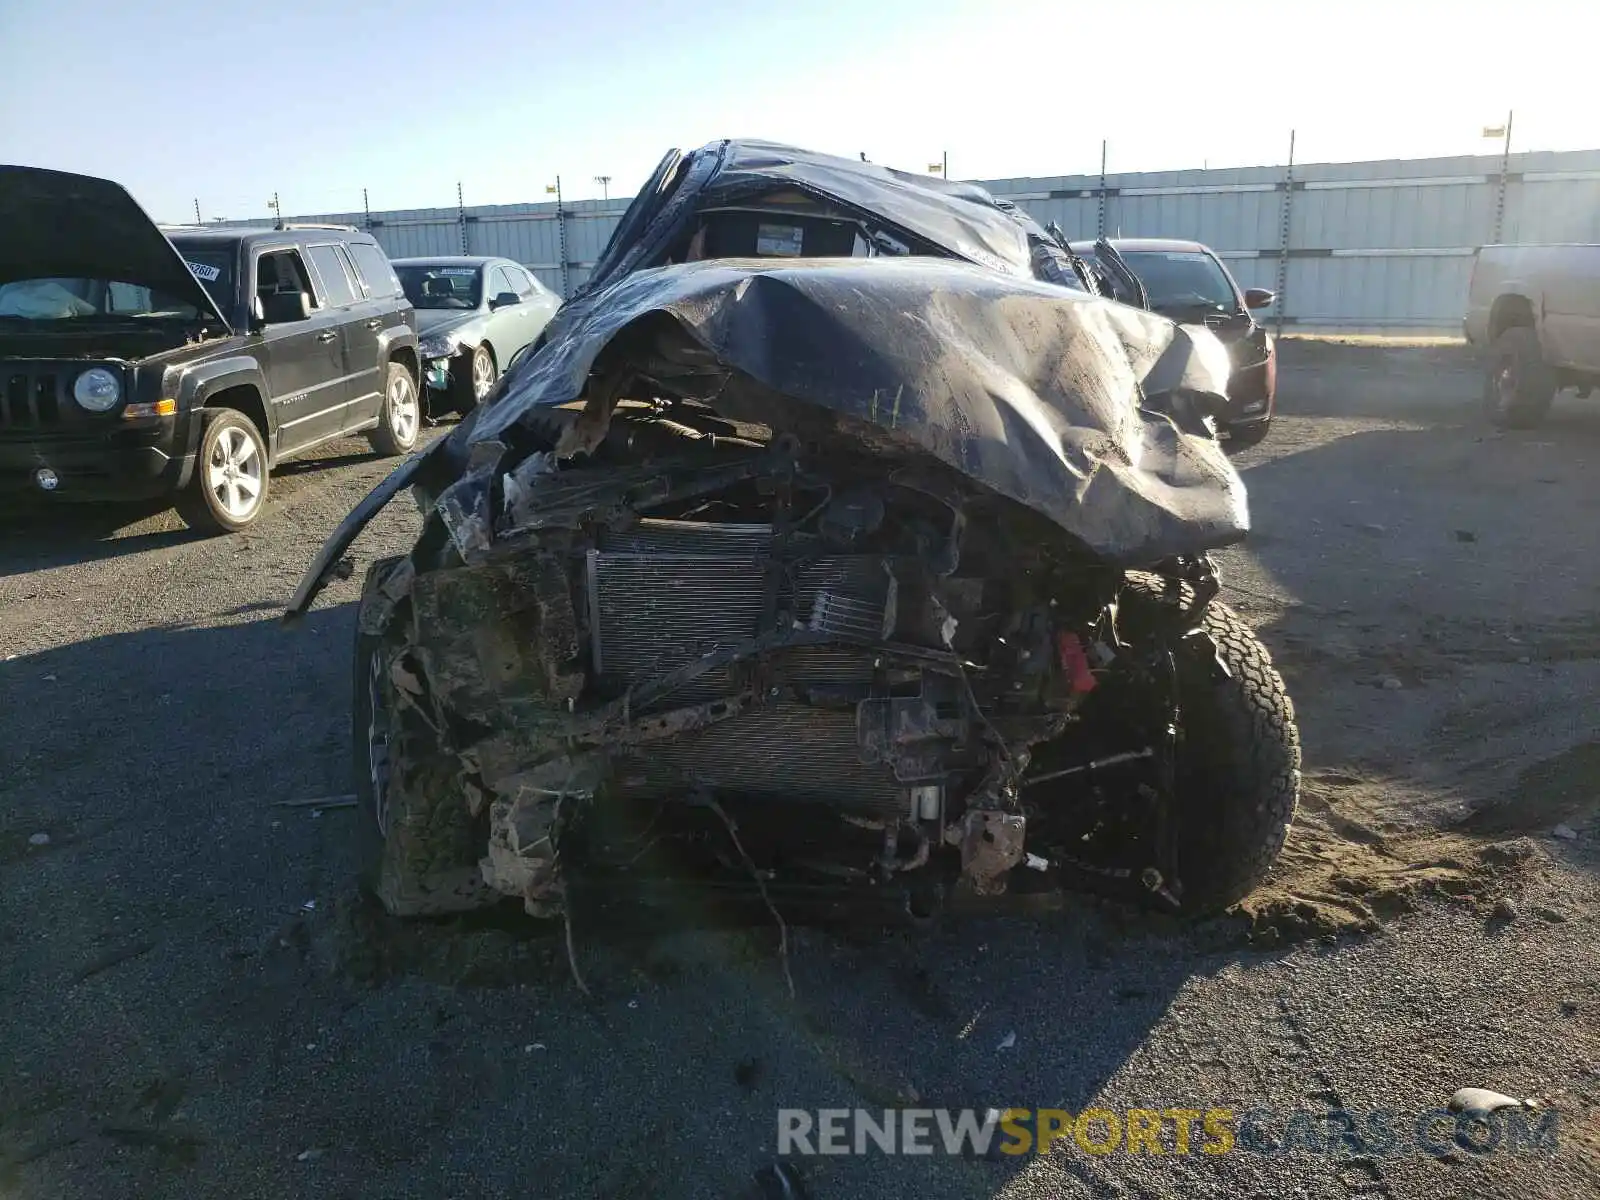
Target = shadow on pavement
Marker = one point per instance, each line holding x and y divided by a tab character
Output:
39	535
188	938
36	536
1438	385
1428	596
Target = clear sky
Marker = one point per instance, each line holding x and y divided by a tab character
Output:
227	102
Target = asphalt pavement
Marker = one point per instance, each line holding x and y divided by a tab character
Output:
198	1002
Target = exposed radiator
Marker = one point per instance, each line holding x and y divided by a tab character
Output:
667	592
787	751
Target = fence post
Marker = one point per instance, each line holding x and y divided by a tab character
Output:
1500	194
1283	235
1100	226
461	218
561	238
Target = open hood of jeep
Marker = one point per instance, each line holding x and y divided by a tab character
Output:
58	225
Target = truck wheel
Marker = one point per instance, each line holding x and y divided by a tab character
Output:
1237	774
229	488
418	842
472	379
400	418
1518	385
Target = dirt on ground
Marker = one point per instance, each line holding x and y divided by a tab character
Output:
197	1000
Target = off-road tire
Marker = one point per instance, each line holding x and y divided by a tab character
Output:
200	509
462	399
1518	385
1238	766
386	439
426	864
1238	759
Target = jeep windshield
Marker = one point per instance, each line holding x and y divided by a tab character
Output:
212	265
441	286
1182	279
89	301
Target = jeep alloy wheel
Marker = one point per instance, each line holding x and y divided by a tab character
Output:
233	473
229	488
400	418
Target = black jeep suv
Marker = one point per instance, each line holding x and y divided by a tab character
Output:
136	362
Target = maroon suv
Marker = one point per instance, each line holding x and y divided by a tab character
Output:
1187	282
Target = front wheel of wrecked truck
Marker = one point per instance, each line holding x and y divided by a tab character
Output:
1236	777
418	842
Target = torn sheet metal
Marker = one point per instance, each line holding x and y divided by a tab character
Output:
320	572
959	219
1034	397
1082	409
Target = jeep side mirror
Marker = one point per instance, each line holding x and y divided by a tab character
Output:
280	307
1259	298
505	299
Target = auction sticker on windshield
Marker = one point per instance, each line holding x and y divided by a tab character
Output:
203	272
457	271
785	240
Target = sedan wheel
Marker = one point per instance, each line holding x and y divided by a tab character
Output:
472	378
482	373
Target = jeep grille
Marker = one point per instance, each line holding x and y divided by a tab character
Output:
30	399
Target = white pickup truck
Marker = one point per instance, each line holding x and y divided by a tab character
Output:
1536	311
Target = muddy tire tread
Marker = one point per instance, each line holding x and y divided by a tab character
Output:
1241	732
427	865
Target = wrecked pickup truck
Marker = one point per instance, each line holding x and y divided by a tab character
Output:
837	538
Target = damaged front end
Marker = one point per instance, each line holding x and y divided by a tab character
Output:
813	576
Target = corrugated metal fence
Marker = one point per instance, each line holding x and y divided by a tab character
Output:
1349	246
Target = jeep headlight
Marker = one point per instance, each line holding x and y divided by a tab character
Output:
97	390
438	345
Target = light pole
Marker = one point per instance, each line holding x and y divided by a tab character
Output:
605	187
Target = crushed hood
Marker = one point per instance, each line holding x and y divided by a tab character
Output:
56	224
1079	408
1089	412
